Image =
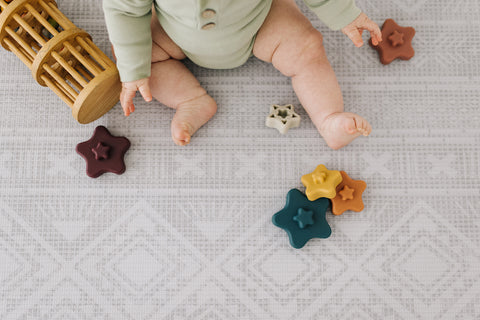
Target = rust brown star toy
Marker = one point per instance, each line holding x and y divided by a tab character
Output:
103	152
349	195
396	44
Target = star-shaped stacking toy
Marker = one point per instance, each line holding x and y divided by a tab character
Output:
396	42
303	219
103	152
321	183
282	118
349	195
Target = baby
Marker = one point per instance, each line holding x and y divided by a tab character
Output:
150	37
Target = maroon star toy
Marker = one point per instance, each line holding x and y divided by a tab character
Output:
396	42
103	152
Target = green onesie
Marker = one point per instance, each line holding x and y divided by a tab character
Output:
215	34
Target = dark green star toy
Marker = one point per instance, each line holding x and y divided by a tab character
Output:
303	219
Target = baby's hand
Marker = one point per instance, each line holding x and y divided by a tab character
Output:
355	29
129	89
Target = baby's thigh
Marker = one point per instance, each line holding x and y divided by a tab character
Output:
285	32
163	47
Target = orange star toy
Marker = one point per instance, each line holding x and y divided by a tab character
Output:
396	44
349	195
321	183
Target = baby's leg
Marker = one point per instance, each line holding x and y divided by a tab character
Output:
289	41
174	85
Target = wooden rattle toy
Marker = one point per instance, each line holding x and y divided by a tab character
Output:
60	56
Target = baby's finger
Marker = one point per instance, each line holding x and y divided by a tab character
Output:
376	36
375	32
145	92
355	36
374	39
122	102
127	100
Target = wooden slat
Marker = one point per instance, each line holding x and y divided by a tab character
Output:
57	91
69	69
92	49
57	15
74	82
84	72
67	88
98	68
29	29
3	5
21	42
35	46
21	55
83	60
41	19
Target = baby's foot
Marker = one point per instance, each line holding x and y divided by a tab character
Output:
190	116
339	129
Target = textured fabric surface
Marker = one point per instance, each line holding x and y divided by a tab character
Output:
186	233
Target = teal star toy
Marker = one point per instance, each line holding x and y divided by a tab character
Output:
303	219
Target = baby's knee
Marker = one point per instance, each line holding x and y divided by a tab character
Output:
310	47
299	52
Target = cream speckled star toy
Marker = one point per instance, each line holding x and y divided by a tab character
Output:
282	118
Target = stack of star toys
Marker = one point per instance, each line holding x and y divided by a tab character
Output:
303	216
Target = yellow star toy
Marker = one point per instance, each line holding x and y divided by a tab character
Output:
321	183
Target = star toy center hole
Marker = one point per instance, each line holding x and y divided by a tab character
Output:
283	113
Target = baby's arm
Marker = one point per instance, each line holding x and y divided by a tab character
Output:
345	15
128	24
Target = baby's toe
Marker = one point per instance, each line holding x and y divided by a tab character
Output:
181	141
351	126
364	132
363	126
180	134
367	129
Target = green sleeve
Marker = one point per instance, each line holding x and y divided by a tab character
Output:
128	25
336	14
